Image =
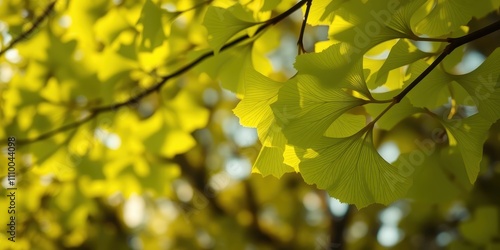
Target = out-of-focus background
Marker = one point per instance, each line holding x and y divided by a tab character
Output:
174	169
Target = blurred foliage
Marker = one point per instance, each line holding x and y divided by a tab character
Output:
175	169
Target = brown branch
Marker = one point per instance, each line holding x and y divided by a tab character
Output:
35	25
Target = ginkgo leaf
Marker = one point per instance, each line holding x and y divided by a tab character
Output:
268	5
322	12
306	109
339	66
229	67
152	33
469	135
433	91
483	86
270	162
346	125
259	93
446	16
351	170
401	18
403	53
373	22
222	25
255	111
439	177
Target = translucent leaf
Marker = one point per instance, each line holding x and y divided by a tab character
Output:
351	170
483	86
229	67
470	134
447	15
400	20
433	91
305	109
403	53
270	162
322	11
373	22
255	111
222	25
339	66
260	92
346	125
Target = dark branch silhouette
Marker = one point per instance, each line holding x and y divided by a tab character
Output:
35	25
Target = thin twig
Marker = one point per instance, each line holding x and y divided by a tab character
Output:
300	42
35	25
454	43
56	131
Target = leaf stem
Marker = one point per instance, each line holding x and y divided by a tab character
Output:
430	39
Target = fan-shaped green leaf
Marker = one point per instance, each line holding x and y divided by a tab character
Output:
483	86
255	111
375	22
339	66
152	33
469	135
306	109
403	53
351	170
222	25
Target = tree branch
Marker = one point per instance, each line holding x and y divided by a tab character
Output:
113	107
22	142
300	42
35	25
454	43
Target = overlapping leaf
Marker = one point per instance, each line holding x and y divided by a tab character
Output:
222	24
483	86
255	111
351	170
446	16
376	21
469	135
309	109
